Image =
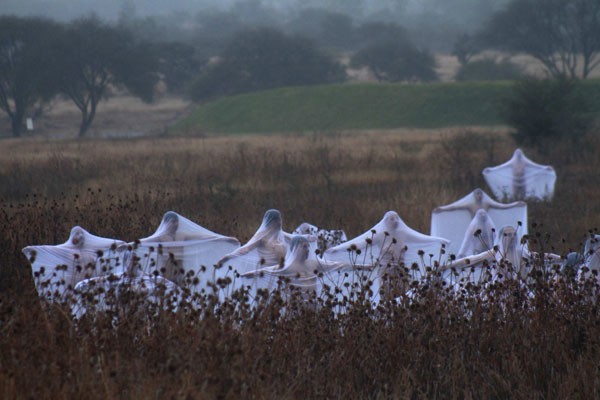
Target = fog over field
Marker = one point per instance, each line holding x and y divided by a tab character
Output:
467	14
66	9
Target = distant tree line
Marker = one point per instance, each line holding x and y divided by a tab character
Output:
246	48
87	58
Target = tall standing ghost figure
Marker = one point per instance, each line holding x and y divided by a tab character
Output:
521	179
57	269
480	235
183	252
381	254
267	247
298	274
509	259
452	221
592	253
501	262
591	258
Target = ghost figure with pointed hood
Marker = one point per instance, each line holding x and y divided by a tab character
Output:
298	274
182	251
520	179
510	258
591	259
452	221
500	262
266	247
383	252
480	235
57	269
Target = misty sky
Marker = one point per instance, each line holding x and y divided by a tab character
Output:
109	9
432	24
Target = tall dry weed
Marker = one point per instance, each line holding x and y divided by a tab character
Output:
434	345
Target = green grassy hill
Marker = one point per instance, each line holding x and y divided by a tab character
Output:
360	106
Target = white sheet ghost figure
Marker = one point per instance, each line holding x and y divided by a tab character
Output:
267	247
124	292
509	259
591	259
452	221
521	179
480	235
182	251
326	238
297	276
57	269
388	250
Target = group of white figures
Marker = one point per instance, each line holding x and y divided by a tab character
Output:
482	235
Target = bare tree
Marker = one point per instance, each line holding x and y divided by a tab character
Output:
25	77
564	35
95	57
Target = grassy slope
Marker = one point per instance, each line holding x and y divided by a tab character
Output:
360	106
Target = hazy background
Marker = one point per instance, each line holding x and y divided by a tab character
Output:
434	24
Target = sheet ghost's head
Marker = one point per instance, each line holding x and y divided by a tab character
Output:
299	248
307	229
518	155
77	237
508	238
478	194
391	221
482	216
272	220
171	221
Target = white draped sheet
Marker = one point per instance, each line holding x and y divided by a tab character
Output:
509	258
299	272
386	251
58	268
479	236
121	293
591	259
452	220
267	247
326	238
182	251
520	179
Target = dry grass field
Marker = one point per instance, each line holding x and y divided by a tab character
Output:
119	116
438	347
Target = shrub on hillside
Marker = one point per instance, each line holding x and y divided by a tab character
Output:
489	69
465	47
264	59
543	111
396	61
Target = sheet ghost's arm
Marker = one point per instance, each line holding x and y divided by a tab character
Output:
232	240
245	249
503	206
258	272
453	207
469	262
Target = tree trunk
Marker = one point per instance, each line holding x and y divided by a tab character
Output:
17	124
87	118
84	125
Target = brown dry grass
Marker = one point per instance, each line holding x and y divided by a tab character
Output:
121	189
119	116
